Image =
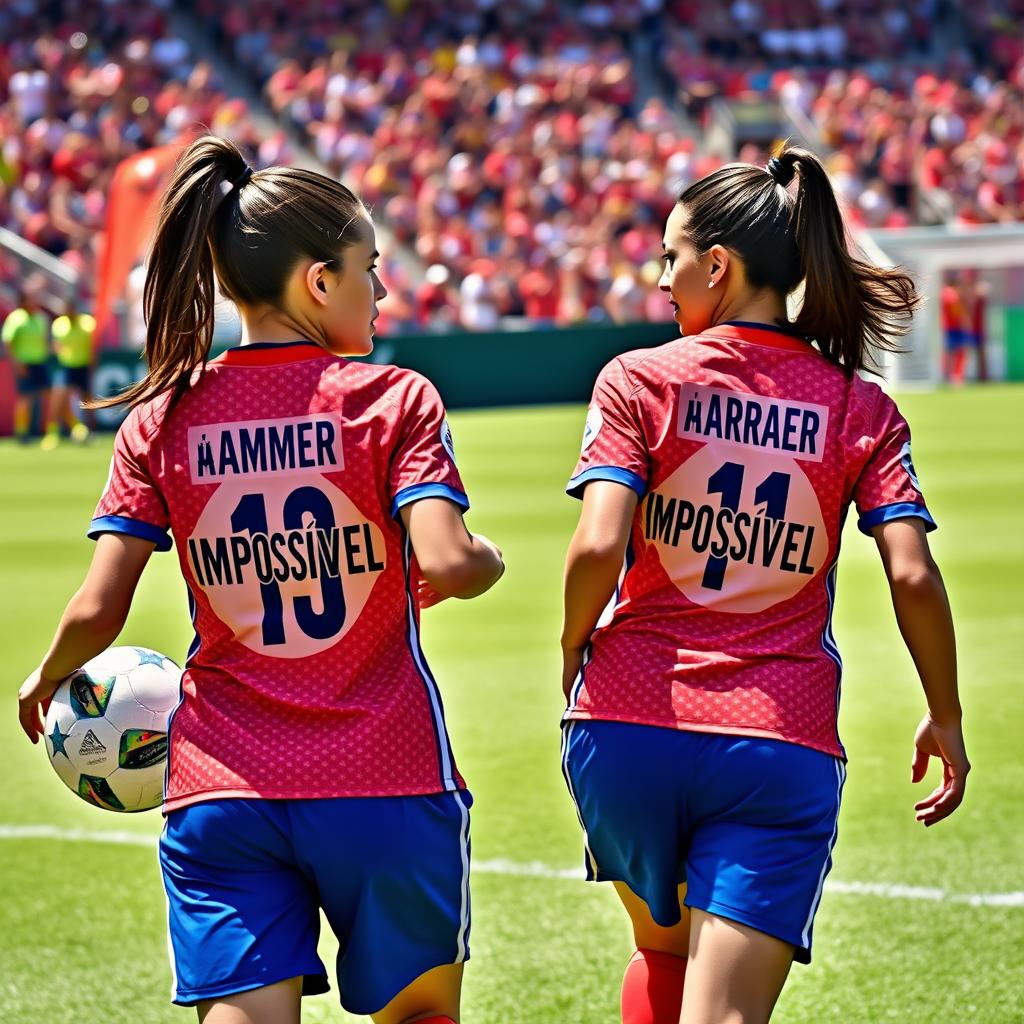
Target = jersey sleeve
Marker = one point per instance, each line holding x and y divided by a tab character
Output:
10	328
613	442
887	487
131	502
423	461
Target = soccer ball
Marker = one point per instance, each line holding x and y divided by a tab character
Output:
106	728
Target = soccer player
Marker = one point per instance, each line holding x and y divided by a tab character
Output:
25	335
310	499
956	329
700	670
73	344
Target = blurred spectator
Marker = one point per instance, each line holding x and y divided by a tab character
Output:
26	339
436	302
73	343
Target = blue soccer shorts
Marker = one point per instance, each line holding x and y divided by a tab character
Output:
246	879
76	377
34	378
748	824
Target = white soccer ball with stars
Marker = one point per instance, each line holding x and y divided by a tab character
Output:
106	728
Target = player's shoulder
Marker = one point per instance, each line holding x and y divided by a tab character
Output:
870	398
395	375
142	425
629	367
398	381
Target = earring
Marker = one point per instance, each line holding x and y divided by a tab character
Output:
711	284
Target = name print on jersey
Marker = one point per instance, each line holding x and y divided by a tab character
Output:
285	557
758	536
751	421
298	444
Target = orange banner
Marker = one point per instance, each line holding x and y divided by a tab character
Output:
132	209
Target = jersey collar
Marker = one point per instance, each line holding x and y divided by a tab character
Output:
757	334
270	353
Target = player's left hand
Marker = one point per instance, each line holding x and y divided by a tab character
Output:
33	701
572	661
946	742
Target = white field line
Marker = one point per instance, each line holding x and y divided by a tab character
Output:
538	869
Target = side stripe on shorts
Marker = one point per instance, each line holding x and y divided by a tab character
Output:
840	781
566	736
445	757
464	912
170	940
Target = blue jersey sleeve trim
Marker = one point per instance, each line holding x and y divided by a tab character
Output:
133	527
900	510
417	492
616	474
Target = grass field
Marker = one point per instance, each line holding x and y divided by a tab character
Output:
82	921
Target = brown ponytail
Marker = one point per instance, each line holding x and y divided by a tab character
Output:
851	308
248	229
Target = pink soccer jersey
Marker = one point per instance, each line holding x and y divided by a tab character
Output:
746	448
280	475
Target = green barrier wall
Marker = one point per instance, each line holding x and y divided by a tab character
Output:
1015	342
535	367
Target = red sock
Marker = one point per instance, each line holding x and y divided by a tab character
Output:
959	365
652	988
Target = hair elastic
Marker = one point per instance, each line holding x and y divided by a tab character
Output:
229	185
780	172
242	178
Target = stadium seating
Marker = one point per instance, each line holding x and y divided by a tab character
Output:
920	105
502	142
83	84
505	143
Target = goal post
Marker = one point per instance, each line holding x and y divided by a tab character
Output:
995	250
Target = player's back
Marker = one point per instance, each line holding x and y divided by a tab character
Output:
280	474
746	447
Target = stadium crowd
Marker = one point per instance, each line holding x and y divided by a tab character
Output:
84	84
504	143
907	142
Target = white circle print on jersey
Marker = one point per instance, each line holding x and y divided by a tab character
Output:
737	530
286	559
738	526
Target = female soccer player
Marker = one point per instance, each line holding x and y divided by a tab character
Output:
307	496
700	669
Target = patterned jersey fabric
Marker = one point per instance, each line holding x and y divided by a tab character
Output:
280	474
746	448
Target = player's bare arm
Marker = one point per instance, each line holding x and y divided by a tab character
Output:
592	566
922	611
453	561
93	618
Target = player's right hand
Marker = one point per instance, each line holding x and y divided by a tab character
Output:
33	700
945	742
